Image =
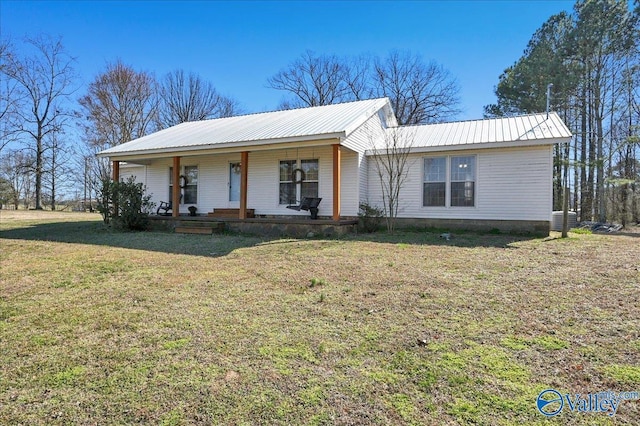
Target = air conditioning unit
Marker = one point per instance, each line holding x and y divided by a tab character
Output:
556	220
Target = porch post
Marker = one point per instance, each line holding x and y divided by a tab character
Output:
175	197
116	178
244	175
337	173
116	171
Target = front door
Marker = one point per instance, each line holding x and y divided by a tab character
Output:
234	185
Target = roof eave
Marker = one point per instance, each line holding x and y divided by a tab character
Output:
485	145
220	147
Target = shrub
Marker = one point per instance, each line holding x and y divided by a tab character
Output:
369	217
124	205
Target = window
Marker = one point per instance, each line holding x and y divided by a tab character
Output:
287	187
463	177
455	189
292	192
435	181
170	183
190	190
309	187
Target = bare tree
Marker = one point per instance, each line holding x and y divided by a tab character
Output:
59	167
46	80
313	80
6	192
10	98
121	105
357	75
420	93
17	167
185	98
391	149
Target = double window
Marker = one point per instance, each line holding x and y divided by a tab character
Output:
188	184
298	179
453	189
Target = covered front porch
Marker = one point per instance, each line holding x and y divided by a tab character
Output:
263	184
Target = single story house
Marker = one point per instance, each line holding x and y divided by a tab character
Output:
491	173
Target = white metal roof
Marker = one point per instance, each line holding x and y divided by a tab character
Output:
533	129
324	122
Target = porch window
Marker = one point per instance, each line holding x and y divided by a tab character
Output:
190	190
292	192
287	187
170	183
309	187
453	189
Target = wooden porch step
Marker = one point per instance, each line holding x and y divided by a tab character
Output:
230	213
196	227
193	230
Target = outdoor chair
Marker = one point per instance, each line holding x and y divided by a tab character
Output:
308	203
166	206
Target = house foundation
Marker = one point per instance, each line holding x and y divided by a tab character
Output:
272	227
529	227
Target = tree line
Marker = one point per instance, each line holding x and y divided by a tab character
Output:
592	58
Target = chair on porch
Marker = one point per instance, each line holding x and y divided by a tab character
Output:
166	206
308	203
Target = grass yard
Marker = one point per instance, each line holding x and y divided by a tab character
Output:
99	327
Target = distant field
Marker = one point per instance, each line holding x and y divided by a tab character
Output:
98	327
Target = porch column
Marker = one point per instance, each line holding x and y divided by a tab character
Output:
116	171
116	178
337	180
175	197
244	175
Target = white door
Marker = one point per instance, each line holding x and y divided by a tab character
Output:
234	185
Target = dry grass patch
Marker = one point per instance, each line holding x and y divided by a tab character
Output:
408	329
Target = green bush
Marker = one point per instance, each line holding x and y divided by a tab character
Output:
369	217
124	205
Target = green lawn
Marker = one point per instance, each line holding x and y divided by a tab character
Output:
98	327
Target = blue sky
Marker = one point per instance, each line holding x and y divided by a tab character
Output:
238	45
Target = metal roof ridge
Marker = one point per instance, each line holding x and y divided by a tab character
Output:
276	111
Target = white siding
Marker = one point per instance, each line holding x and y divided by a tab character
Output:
137	171
360	141
350	188
511	184
263	180
363	177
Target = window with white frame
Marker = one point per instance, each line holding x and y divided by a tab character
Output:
309	187
298	179
449	181
191	187
188	184
463	181
170	183
435	181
